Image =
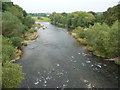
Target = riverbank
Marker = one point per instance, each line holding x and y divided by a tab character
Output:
31	34
90	49
83	42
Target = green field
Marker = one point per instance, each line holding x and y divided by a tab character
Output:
42	19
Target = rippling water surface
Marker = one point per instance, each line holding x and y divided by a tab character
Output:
56	60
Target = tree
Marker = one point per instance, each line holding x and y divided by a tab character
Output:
114	45
12	26
111	15
28	21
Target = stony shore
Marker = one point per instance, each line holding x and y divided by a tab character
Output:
28	36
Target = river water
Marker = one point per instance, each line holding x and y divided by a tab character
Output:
56	60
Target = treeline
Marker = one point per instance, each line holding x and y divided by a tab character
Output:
98	30
39	14
85	19
15	23
72	20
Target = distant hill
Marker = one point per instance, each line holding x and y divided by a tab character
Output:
98	13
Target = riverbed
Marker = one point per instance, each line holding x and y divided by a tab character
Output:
56	60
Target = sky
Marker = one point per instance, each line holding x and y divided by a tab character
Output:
43	6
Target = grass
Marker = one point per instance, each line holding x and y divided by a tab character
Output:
43	19
117	62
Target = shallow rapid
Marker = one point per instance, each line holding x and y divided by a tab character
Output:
56	60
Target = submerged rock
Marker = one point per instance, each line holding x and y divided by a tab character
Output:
99	66
72	56
88	61
85	81
45	81
44	85
58	65
36	82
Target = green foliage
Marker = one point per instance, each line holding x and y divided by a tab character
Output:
12	75
15	23
99	18
117	62
39	14
78	18
7	50
28	21
104	39
6	5
11	25
16	10
16	41
80	32
111	15
7	53
32	30
114	45
38	18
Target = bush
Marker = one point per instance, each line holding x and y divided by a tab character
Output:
7	53
11	25
28	21
7	49
12	75
80	32
31	31
35	30
114	40
104	39
16	41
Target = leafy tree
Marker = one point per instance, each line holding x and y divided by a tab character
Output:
114	45
104	39
78	18
99	18
11	25
111	15
101	40
17	11
6	5
28	21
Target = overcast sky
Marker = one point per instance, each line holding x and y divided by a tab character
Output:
33	6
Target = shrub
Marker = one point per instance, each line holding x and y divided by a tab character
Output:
80	32
11	25
7	52
16	41
12	75
28	21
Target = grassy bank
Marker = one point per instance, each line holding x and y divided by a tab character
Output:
41	19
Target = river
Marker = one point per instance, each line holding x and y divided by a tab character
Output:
56	60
